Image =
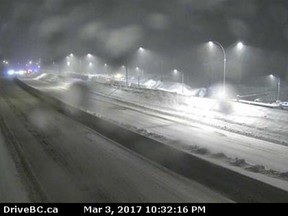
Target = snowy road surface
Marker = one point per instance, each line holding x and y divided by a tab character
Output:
11	187
183	133
46	156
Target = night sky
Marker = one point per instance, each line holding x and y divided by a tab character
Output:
112	29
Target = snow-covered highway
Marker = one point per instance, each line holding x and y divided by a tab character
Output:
60	160
183	132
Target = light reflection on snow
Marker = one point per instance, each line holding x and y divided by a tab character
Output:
243	118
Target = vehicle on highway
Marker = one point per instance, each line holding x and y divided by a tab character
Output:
284	105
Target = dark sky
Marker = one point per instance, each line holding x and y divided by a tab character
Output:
112	28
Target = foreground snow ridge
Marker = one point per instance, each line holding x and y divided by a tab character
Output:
194	149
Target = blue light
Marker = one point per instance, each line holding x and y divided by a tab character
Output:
10	72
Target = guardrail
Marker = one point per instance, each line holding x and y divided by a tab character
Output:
234	185
269	105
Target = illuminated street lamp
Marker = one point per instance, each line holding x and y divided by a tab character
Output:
278	85
141	49
175	71
211	43
239	46
126	72
106	68
84	61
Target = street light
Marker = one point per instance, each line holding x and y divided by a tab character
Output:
138	69
84	61
141	49
138	75
182	78
107	68
211	43
240	46
278	85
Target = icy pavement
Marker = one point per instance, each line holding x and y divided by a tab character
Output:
256	121
72	163
259	122
12	188
243	151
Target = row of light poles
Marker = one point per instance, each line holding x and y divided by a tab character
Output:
138	69
175	71
142	51
28	64
211	44
90	59
5	62
240	46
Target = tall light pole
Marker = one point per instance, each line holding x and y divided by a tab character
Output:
138	76
126	72
240	46
182	78
5	62
86	59
211	43
140	49
139	71
106	66
80	66
278	85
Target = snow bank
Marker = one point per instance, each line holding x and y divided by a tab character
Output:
256	121
260	122
47	77
195	149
